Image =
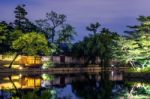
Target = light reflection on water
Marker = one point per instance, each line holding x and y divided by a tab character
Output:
73	86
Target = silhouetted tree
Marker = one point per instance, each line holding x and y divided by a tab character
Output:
93	27
20	15
52	22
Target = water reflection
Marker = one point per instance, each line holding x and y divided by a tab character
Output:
106	85
19	81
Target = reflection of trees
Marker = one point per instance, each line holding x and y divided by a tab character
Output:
106	86
38	94
87	90
92	89
16	92
137	89
15	84
30	94
47	77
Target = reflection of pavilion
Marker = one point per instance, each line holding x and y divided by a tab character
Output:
28	82
25	82
20	82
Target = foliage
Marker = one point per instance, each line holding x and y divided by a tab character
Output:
31	44
134	51
56	29
143	27
47	77
24	38
98	45
52	24
93	27
66	34
20	15
137	90
5	40
22	22
47	64
45	94
136	48
140	70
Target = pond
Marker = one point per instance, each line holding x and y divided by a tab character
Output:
106	85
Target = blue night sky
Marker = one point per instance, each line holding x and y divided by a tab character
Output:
112	14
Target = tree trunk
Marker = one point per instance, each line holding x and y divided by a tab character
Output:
132	65
14	86
10	65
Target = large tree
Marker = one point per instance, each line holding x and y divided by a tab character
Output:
51	24
134	48
57	31
22	22
97	45
55	27
30	44
20	15
107	39
133	51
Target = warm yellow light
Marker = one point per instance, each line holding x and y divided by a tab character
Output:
20	68
20	75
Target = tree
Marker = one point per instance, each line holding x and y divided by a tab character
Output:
98	45
144	26
30	44
93	27
3	30
66	34
56	30
5	41
135	52
107	39
135	48
50	25
20	15
22	22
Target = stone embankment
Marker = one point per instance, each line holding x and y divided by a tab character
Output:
62	70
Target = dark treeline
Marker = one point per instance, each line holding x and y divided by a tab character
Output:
44	37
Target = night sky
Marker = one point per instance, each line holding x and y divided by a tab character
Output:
112	14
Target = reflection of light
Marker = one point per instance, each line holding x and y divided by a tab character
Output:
20	68
139	85
47	77
9	85
112	73
14	77
112	65
53	92
13	66
24	83
20	75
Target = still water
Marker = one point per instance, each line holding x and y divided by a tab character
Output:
107	85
